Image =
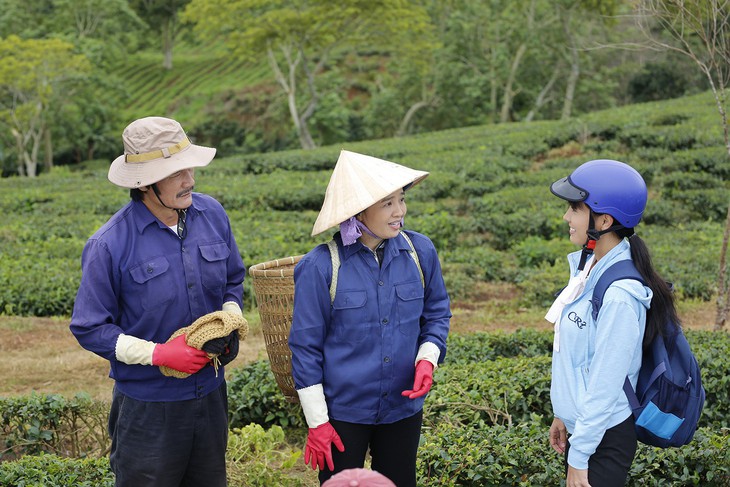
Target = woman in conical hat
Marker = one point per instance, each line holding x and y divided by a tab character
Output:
371	316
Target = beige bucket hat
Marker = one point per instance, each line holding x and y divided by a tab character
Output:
358	182
154	148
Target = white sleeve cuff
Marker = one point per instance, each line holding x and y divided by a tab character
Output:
232	307
132	350
429	351
314	405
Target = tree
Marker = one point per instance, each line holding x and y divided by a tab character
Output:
700	31
25	18
526	51
298	38
162	17
36	77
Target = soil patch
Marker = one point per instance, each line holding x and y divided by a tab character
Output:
41	355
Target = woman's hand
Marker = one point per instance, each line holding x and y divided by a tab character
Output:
558	435
577	478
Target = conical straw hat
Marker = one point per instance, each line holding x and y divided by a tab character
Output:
358	182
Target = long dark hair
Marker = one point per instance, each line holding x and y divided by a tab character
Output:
663	310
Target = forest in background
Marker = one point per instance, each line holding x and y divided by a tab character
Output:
252	76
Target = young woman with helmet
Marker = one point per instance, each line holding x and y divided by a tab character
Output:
593	425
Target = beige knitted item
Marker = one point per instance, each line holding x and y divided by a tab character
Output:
217	324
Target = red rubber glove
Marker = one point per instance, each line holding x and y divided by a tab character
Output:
423	381
180	356
319	446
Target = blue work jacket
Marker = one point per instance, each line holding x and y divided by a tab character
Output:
362	347
140	279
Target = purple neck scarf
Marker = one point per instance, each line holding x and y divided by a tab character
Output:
352	228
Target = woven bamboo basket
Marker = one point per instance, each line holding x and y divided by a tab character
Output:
273	285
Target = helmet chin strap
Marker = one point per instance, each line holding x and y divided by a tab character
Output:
593	237
182	229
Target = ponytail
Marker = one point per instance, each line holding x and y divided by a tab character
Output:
662	310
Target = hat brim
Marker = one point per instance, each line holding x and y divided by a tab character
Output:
358	182
565	189
139	174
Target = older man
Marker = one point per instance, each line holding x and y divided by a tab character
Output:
167	258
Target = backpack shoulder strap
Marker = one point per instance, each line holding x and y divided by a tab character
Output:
623	269
335	256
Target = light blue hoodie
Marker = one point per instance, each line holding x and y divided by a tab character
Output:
596	356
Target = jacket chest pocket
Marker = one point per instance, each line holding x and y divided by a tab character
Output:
409	307
349	318
213	273
152	284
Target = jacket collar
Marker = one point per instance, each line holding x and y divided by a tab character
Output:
143	217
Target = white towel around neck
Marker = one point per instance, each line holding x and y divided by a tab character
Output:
568	295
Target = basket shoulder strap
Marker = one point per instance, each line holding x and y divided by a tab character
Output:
414	255
335	256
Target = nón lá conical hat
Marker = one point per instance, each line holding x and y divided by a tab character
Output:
358	182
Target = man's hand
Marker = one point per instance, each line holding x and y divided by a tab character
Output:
423	380
225	347
180	356
319	446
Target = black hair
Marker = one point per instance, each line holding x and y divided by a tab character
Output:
136	194
663	309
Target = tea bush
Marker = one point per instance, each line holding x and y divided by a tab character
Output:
254	397
486	204
492	378
483	346
499	455
485	423
53	424
46	470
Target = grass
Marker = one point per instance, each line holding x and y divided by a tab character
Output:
41	355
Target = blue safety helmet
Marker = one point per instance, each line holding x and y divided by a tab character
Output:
606	186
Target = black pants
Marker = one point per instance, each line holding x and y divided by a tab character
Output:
609	465
169	444
393	449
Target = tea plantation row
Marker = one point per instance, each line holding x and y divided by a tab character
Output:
486	205
485	423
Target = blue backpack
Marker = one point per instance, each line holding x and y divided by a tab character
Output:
669	395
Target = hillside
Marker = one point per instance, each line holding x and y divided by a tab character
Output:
186	91
486	205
